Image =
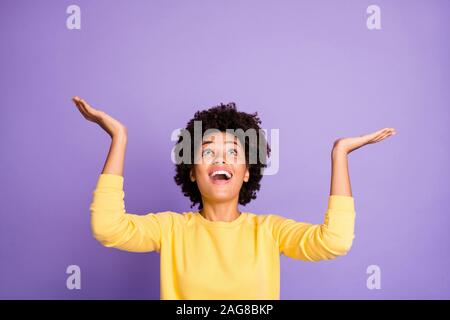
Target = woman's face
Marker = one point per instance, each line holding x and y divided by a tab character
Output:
220	168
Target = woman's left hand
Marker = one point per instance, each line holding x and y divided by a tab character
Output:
350	144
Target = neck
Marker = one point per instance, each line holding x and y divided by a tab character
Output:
220	211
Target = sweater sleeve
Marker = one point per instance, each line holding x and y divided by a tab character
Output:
113	227
315	242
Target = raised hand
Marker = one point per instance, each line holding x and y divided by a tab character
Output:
113	127
352	143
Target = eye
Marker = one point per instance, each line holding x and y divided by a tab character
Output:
234	151
205	152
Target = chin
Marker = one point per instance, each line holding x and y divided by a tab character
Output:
218	196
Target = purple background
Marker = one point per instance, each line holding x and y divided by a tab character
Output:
310	68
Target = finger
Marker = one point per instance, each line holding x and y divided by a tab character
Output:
83	106
81	109
383	132
376	134
91	112
77	104
389	132
380	134
376	138
87	106
384	136
76	101
86	114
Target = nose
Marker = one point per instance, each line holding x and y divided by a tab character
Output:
219	158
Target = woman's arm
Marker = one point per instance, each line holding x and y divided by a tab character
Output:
115	160
315	242
334	237
110	223
113	227
340	178
117	131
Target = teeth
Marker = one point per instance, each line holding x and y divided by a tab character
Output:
221	172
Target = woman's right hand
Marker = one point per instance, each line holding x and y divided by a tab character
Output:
113	127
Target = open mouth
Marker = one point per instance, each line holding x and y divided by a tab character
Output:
221	176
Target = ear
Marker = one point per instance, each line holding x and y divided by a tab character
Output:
246	175
192	174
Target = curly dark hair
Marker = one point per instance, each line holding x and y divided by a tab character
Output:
223	117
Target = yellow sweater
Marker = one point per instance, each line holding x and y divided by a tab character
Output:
203	259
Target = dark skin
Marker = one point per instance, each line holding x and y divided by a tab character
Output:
220	202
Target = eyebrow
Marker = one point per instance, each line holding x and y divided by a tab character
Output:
209	142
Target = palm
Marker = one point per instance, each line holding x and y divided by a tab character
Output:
104	120
352	143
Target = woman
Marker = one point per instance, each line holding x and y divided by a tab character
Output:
219	252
